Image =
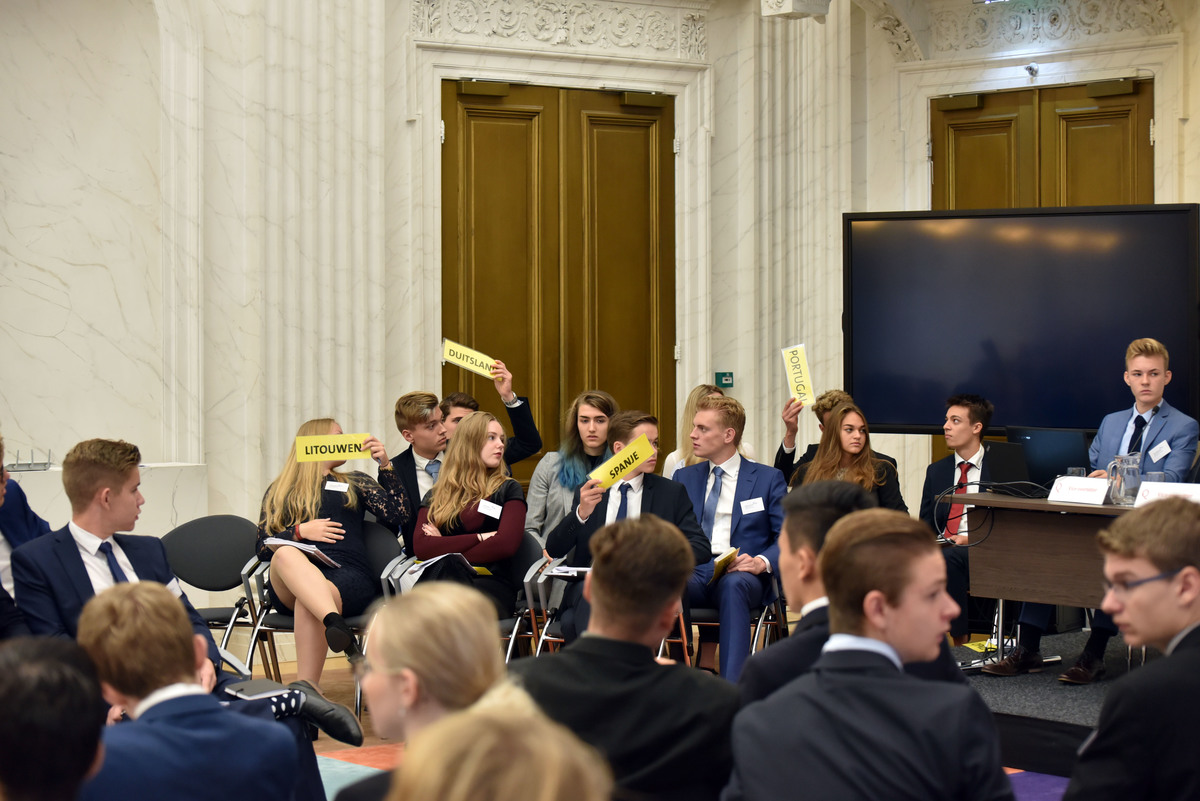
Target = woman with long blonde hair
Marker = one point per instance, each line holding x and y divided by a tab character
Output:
314	502
583	448
845	455
431	652
476	510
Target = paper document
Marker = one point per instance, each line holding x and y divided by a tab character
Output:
309	548
721	564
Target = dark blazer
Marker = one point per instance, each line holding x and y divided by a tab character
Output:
1146	743
787	463
789	658
939	477
887	493
660	496
525	441
663	728
52	585
18	523
869	731
12	622
406	468
1170	425
756	533
193	748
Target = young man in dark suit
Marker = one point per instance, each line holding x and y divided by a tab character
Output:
808	514
1146	744
856	727
419	420
967	417
58	573
639	492
525	440
738	504
177	744
664	729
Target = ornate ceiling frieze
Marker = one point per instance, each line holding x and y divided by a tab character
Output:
1025	23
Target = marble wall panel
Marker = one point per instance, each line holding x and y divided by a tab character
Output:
80	266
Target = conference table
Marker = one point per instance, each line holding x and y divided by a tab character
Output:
1025	549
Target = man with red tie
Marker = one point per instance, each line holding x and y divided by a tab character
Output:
967	417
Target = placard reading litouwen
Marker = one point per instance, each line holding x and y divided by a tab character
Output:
467	358
795	364
622	463
331	447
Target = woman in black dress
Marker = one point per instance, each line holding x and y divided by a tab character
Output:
314	502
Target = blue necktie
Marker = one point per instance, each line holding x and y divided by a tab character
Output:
117	573
710	503
1135	442
432	469
623	509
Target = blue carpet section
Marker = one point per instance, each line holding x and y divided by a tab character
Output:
1038	787
336	774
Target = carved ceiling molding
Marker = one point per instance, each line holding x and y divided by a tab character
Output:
596	27
1029	23
908	40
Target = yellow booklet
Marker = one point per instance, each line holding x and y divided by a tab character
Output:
722	563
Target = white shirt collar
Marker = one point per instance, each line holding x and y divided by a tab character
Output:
976	459
729	467
634	482
814	604
853	642
88	542
168	693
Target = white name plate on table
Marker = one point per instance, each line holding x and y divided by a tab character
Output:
1077	489
1153	490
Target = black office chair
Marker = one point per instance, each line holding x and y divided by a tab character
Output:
527	564
769	620
210	553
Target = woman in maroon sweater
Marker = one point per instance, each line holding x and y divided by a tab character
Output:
475	510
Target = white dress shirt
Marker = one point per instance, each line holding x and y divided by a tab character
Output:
723	521
424	480
974	475
95	562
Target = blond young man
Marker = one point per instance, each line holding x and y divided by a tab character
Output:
178	743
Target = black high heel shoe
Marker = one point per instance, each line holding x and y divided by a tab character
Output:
340	636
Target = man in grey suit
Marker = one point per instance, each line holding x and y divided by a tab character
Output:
856	726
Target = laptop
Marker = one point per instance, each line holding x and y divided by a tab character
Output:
1050	451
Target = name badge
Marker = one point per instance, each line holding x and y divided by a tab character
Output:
1076	489
1159	451
490	509
336	486
753	505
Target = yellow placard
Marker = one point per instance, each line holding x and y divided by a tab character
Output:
466	358
331	447
795	363
622	463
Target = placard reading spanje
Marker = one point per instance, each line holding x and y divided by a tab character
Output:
466	358
622	463
795	363
330	447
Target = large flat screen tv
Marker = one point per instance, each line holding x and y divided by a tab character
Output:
1031	308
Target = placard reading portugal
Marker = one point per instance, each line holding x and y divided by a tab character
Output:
795	363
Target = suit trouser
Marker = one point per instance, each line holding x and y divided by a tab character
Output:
733	596
958	584
1039	615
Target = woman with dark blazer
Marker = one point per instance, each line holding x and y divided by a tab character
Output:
845	455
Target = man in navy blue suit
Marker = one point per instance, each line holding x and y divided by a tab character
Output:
178	743
1166	439
738	504
18	525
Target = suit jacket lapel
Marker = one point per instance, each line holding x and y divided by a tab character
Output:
1154	430
68	556
743	491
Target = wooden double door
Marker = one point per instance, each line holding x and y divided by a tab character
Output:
1082	145
558	241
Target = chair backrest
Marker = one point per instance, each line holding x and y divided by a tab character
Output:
382	546
209	552
529	552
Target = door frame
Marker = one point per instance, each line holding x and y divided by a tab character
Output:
919	83
420	149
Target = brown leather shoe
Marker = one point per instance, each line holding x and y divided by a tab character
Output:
1018	662
1086	670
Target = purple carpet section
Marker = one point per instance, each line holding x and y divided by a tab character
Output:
1038	786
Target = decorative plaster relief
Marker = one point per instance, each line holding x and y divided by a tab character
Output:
899	36
1004	26
587	27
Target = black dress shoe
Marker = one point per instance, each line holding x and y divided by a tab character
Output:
1084	671
334	719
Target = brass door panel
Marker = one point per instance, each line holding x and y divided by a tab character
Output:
983	157
558	248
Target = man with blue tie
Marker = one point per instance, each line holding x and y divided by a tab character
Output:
639	492
739	505
1166	439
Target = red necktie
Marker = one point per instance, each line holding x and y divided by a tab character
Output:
956	509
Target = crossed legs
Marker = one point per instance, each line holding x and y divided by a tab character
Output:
311	597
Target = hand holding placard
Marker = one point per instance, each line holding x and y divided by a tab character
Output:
623	462
795	364
332	447
468	359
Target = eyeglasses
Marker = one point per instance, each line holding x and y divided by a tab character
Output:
362	666
1123	587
